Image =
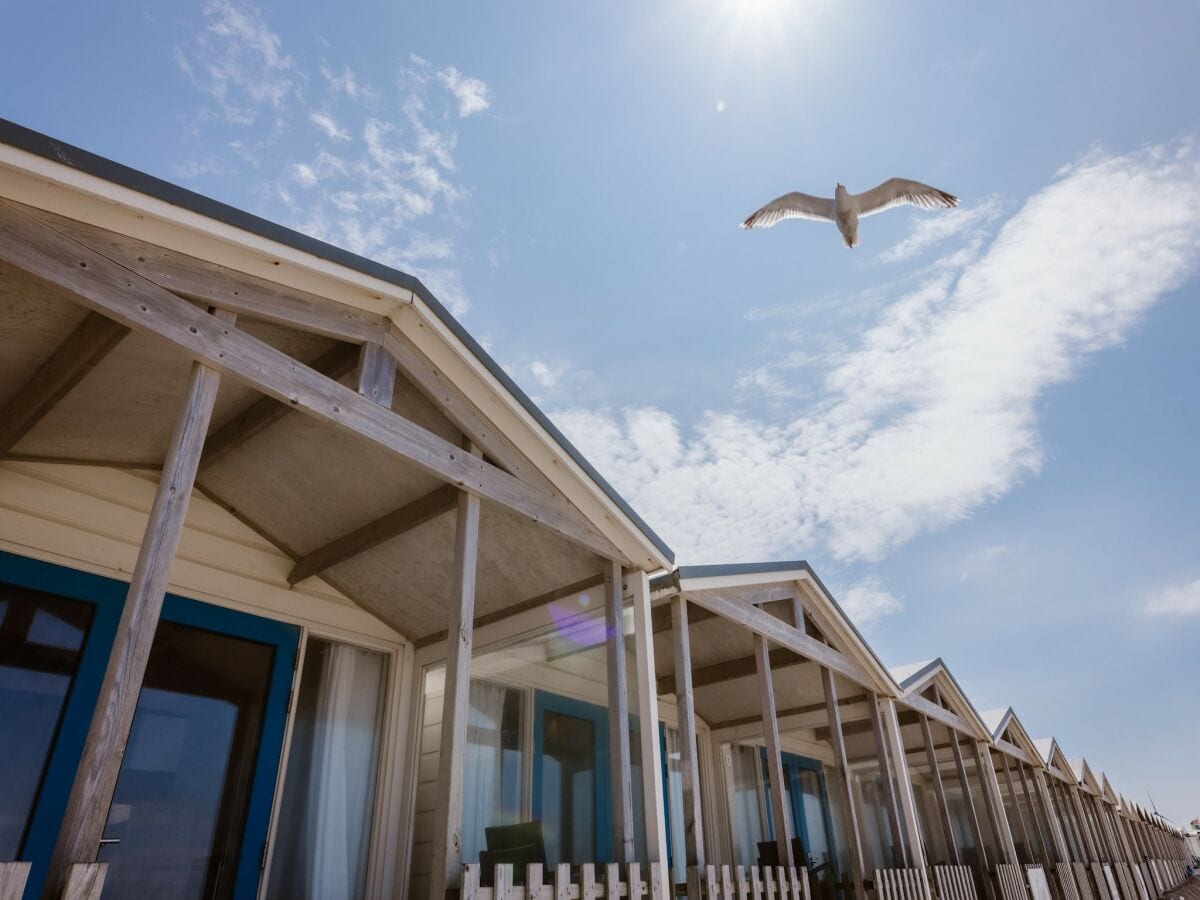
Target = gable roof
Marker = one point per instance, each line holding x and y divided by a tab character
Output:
914	678
1005	725
70	162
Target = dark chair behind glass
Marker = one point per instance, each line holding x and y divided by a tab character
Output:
518	845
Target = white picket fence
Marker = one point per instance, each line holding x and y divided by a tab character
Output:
613	885
748	883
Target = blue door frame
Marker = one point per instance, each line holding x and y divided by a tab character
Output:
107	595
792	765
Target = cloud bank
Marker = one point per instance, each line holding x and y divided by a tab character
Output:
934	411
1174	600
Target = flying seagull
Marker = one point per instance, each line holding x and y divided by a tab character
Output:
845	209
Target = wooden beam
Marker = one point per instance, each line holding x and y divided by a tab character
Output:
898	755
938	713
621	773
1046	847
766	699
376	374
981	854
335	363
366	537
994	802
1016	805
560	593
661	616
779	632
652	780
790	712
82	351
741	667
939	789
113	290
889	785
96	775
218	286
849	807
452	751
13	876
689	762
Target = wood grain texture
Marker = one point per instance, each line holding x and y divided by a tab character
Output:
82	351
13	876
96	775
218	286
367	537
621	772
898	755
770	721
849	807
899	853
115	291
85	881
376	377
689	762
447	836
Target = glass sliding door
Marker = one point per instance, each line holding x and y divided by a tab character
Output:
192	803
323	839
492	792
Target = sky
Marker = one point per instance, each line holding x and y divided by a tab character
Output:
979	426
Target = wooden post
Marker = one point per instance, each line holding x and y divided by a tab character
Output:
13	876
447	835
914	847
693	825
770	721
1077	807
618	718
1049	848
899	856
376	374
96	776
994	802
940	790
981	855
1016	804
837	738
647	694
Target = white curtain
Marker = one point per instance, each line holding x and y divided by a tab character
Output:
324	834
675	804
746	815
483	779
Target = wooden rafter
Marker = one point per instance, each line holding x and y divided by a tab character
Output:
390	525
727	670
334	363
94	339
108	287
215	285
376	378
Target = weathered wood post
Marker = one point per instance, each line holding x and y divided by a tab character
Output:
887	776
914	847
838	739
96	778
647	694
770	720
994	802
621	778
1016	805
939	789
981	855
693	825
447	835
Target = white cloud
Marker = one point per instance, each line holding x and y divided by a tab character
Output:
1175	600
934	411
332	129
238	61
981	561
867	601
929	230
473	94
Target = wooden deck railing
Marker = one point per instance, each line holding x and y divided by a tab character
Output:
748	883
564	884
902	884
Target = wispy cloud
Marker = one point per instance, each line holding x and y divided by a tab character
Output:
867	601
384	182
981	560
1173	600
930	230
474	96
934	411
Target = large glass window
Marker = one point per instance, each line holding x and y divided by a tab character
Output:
324	834
569	787
492	781
746	797
673	762
40	641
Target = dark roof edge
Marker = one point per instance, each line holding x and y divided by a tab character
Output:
755	568
92	164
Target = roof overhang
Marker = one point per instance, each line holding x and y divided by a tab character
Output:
41	172
915	678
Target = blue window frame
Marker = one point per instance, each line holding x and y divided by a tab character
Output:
793	767
108	597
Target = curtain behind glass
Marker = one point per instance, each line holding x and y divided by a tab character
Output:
324	834
746	816
492	781
675	804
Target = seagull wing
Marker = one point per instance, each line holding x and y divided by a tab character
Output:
899	191
791	206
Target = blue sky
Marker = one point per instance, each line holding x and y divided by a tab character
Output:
979	426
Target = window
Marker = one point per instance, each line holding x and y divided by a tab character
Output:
746	811
492	791
324	834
